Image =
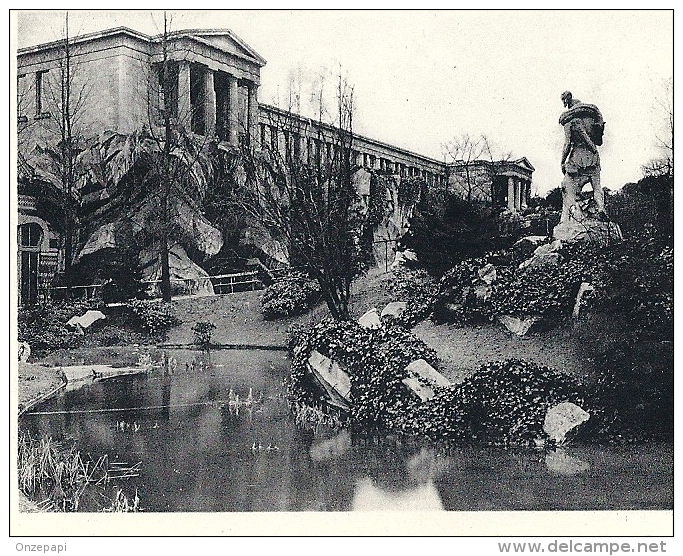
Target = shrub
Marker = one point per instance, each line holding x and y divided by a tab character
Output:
634	277
504	403
155	317
293	294
633	396
44	326
202	332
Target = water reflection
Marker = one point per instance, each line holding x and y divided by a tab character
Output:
200	452
419	498
561	463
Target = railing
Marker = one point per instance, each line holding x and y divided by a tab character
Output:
222	284
241	280
91	291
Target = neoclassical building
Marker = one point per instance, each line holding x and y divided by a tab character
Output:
115	76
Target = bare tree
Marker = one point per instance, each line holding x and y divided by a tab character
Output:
471	163
303	192
464	155
663	115
60	104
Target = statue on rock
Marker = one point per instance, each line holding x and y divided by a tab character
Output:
583	130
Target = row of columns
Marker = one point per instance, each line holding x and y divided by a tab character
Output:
309	148
208	99
519	192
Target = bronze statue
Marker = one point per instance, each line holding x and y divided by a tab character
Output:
583	130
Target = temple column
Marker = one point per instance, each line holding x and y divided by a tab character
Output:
252	111
184	104
518	194
233	111
511	193
209	104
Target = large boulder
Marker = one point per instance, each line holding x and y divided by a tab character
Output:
524	247
544	255
86	320
394	309
370	319
562	418
422	378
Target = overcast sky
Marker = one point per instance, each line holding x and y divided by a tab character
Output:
422	78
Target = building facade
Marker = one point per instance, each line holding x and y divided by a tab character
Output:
114	78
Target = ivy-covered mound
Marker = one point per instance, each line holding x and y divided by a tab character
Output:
417	289
375	361
293	294
634	276
503	403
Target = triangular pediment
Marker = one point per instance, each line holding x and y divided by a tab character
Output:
524	162
227	41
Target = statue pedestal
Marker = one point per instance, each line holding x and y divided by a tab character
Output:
589	229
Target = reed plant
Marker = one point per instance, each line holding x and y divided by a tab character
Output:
51	469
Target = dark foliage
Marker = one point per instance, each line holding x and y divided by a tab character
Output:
155	317
633	397
44	326
447	230
117	268
418	289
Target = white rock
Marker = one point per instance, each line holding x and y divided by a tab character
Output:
516	325
562	418
86	320
24	351
487	273
421	390
585	287
394	309
421	369
370	319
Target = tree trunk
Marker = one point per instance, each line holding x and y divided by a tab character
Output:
165	270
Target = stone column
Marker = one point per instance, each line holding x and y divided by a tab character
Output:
233	111
252	112
184	105
511	193
209	104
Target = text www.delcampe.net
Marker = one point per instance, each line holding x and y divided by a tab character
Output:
593	547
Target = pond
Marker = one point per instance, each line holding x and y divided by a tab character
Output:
199	452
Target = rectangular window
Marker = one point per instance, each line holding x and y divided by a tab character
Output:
41	80
21	98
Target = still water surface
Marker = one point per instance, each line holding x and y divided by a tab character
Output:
199	454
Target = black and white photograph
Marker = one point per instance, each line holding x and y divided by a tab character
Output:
375	272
